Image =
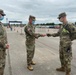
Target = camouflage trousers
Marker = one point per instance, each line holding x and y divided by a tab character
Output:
30	48
2	60
66	57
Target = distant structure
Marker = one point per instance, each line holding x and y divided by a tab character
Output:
16	22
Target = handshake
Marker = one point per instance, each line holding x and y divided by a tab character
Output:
43	35
49	34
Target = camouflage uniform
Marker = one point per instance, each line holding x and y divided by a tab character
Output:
65	49
3	42
30	42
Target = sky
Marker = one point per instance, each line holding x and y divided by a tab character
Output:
44	10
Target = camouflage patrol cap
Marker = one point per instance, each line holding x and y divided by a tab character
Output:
61	15
31	17
2	12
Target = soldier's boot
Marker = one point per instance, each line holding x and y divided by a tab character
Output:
62	69
29	67
67	73
1	71
33	63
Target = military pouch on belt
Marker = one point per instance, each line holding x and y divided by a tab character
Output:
68	49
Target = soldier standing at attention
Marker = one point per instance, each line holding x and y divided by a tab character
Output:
65	51
3	43
30	41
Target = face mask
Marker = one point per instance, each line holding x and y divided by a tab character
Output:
33	22
1	18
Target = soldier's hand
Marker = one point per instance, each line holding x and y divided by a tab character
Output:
40	35
36	37
43	35
48	34
7	46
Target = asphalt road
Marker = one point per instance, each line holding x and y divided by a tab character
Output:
46	54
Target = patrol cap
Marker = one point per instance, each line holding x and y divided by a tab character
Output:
61	15
31	17
2	12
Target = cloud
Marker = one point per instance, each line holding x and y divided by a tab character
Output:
44	10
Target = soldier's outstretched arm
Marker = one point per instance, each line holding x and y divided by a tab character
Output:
54	34
37	35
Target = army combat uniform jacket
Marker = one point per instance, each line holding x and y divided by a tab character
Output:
65	34
3	42
30	34
3	35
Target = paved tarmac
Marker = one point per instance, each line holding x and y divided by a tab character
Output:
46	54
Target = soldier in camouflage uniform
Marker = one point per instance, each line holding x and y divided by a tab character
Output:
3	43
65	50
30	41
